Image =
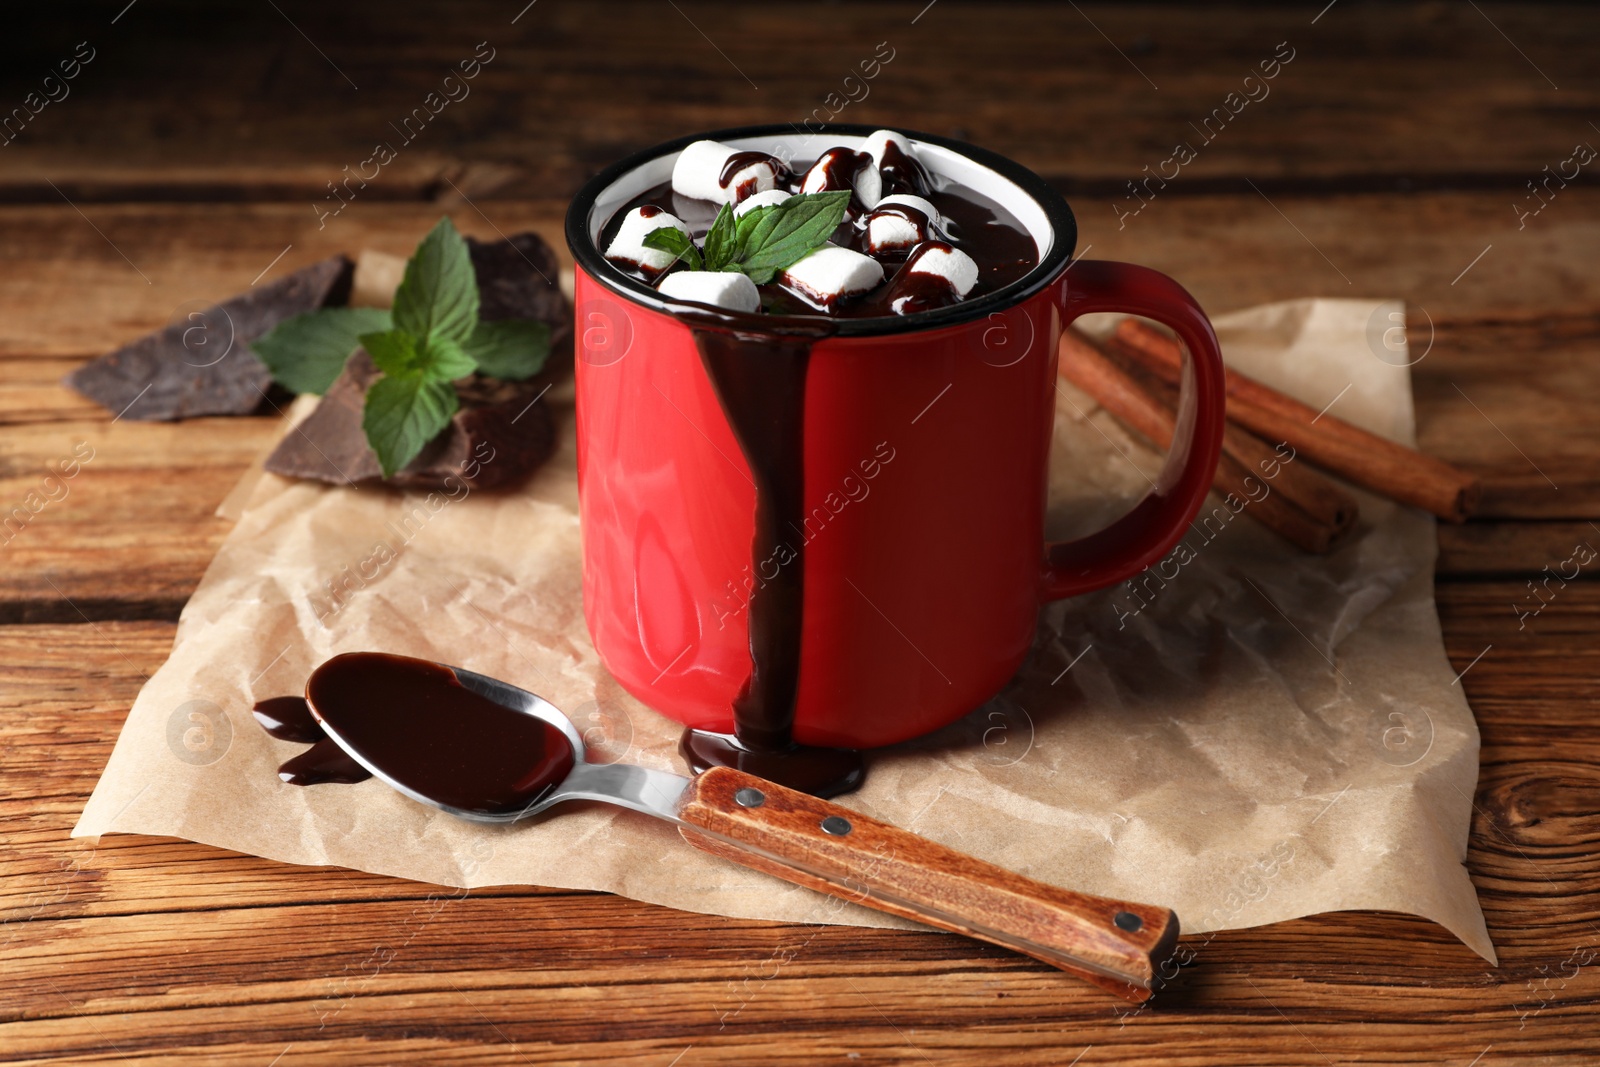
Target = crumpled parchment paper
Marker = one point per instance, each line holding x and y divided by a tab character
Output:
1246	734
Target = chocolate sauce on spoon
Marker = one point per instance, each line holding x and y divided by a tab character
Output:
415	722
422	728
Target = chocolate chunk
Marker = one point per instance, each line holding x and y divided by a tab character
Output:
202	364
499	436
518	278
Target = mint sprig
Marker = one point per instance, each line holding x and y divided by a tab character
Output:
306	353
430	338
774	238
762	241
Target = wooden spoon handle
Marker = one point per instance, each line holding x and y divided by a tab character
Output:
1115	944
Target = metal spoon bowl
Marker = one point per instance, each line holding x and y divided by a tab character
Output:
640	789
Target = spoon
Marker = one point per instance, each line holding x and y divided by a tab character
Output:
481	749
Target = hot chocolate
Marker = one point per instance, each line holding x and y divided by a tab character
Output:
909	240
870	267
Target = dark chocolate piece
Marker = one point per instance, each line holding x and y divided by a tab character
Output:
202	364
501	434
519	278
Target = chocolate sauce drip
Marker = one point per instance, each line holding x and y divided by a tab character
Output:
760	381
423	729
902	173
762	385
650	211
324	763
289	719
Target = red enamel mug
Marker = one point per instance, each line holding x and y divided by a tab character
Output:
925	444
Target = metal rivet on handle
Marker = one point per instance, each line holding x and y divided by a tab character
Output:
1127	920
837	825
749	798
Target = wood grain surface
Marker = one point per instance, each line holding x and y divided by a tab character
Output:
1391	159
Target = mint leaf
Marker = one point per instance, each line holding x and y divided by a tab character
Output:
444	360
394	351
432	337
403	414
772	238
439	294
306	353
398	355
722	242
671	239
511	348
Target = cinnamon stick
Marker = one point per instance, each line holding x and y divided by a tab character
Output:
1389	469
1293	501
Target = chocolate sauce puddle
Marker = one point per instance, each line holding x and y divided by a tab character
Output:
760	381
324	763
290	719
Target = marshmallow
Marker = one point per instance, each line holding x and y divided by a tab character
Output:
721	288
889	149
947	262
628	245
937	275
831	272
834	169
698	172
889	229
770	198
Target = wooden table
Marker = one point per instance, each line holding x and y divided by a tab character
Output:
1391	158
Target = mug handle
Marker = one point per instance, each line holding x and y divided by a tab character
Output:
1145	534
